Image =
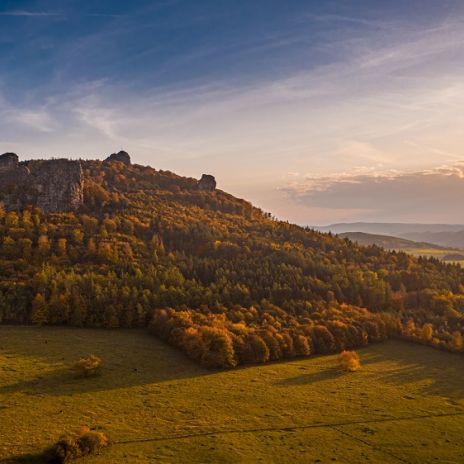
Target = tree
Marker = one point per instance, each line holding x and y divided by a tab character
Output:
427	332
76	445
255	350
43	246
39	315
25	245
61	246
349	361
11	219
322	339
457	341
219	348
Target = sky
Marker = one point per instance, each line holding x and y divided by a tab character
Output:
316	111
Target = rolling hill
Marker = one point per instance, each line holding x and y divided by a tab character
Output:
444	235
408	246
124	245
387	241
389	228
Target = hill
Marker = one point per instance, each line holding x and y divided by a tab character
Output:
408	246
406	404
209	273
389	228
444	235
387	241
447	239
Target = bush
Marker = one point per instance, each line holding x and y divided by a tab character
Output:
71	447
88	365
349	361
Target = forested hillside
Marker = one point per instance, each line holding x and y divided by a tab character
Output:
213	275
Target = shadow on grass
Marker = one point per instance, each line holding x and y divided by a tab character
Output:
59	382
441	373
130	358
26	459
307	379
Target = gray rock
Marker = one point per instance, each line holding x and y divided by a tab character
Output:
8	161
51	185
207	183
121	156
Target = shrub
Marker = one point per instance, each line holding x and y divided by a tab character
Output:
88	365
349	361
74	446
427	332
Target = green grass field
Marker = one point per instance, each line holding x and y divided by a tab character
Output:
429	252
406	405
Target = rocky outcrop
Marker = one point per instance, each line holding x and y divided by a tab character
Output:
207	183
8	161
122	157
51	185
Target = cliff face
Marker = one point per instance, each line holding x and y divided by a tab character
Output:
55	185
51	185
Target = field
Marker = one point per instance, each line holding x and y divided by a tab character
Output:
406	405
432	253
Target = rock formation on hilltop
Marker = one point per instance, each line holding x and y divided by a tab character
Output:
122	156
57	185
207	183
51	185
8	161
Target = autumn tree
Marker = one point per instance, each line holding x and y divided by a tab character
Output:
427	332
349	361
39	315
457	341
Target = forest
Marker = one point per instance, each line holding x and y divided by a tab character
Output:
213	275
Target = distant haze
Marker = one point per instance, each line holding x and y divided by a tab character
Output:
389	228
446	235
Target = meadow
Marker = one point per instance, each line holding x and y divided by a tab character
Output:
406	404
432	253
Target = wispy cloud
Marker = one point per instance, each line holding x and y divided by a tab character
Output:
352	20
45	14
39	120
30	13
383	109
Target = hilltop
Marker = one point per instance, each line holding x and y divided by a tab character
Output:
207	272
55	185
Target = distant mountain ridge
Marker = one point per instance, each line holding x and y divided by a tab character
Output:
444	235
389	228
387	241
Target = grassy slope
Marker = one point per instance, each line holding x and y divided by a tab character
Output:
301	411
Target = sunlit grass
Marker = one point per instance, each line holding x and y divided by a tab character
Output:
406	403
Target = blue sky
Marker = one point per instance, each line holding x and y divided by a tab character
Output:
318	111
